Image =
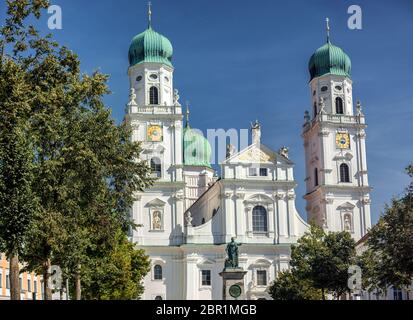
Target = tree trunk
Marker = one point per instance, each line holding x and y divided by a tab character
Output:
14	277
78	285
323	294
46	279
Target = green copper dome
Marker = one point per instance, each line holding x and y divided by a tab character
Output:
329	59
197	150
150	46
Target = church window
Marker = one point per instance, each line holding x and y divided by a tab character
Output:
158	298
153	95
259	220
344	173
261	277
7	281
315	177
263	172
157	272
139	78
324	89
156	167
397	294
153	76
339	106
339	88
206	277
252	172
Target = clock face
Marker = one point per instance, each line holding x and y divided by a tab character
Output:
343	140
154	133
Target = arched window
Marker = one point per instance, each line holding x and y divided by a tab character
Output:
157	272
344	173
315	177
158	298
153	95
339	106
259	219
315	109
156	167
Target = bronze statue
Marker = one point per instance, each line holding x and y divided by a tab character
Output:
232	252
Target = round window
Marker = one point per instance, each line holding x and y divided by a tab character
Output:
339	88
166	79
324	89
139	78
153	76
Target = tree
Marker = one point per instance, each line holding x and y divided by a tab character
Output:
84	168
324	260
17	201
117	272
388	259
288	286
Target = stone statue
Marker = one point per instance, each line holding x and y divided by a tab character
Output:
176	97
322	105
232	251
188	218
157	223
230	150
347	224
284	152
132	97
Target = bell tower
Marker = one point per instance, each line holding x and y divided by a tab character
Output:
338	192
155	117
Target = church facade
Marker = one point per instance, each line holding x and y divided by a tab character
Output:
190	214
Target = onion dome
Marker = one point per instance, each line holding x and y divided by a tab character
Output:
196	148
150	46
329	59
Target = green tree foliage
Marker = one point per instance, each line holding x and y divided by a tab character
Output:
80	166
388	259
288	286
320	261
17	201
117	273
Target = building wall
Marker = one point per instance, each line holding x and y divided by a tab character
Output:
30	283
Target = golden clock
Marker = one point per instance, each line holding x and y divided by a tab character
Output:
343	140
154	133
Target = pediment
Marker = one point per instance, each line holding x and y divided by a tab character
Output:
346	206
254	154
156	203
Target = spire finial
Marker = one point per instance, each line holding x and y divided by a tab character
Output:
328	29
187	113
149	14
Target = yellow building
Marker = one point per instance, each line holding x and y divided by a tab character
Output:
30	283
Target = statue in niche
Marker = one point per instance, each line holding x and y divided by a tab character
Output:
157	221
347	223
232	252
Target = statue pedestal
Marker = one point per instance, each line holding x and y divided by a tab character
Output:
233	284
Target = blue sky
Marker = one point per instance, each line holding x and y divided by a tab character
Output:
237	61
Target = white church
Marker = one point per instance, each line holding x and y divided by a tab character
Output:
190	214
